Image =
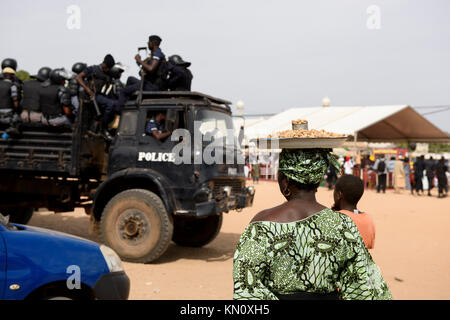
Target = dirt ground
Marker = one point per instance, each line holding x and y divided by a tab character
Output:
411	248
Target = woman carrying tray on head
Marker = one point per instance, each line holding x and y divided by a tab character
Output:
301	249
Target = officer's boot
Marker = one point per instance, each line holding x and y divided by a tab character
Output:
105	132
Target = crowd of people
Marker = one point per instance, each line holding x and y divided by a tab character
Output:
52	96
401	172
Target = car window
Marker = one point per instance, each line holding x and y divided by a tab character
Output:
128	123
216	124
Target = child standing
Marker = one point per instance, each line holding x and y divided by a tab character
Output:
347	192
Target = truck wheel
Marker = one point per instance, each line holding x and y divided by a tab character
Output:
136	225
19	215
196	232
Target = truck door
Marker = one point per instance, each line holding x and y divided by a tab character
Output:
159	154
2	265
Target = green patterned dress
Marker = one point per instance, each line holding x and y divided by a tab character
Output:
318	254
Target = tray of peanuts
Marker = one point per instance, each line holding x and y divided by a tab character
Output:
301	138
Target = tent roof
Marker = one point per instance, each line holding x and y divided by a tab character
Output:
374	123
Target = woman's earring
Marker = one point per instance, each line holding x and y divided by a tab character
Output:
287	192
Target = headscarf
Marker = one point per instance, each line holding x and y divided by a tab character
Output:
307	166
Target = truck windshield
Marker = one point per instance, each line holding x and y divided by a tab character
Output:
216	124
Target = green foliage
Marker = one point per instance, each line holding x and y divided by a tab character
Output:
439	147
402	145
23	75
432	147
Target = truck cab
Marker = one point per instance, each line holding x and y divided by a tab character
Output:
172	189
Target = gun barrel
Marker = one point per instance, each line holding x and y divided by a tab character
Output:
97	109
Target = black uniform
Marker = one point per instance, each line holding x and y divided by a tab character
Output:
74	90
8	91
180	78
430	167
52	97
31	108
441	170
419	166
99	82
30	100
156	80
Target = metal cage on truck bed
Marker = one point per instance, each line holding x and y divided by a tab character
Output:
44	150
39	150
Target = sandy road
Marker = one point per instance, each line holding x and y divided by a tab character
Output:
412	248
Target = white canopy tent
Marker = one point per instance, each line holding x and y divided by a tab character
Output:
373	124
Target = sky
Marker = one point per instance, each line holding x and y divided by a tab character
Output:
272	55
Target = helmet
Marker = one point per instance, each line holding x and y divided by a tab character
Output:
58	75
177	60
116	71
43	74
79	67
9	62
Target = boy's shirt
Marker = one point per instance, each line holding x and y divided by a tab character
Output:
365	226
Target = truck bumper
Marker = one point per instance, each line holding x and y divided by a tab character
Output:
112	286
227	203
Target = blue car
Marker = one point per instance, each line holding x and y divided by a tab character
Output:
37	263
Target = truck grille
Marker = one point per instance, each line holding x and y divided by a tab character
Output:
236	185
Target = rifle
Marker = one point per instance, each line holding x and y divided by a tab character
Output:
97	109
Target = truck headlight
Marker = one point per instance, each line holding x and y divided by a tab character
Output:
227	190
112	259
251	190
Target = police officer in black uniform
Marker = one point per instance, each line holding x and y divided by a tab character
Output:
117	84
99	80
54	99
114	91
12	63
9	101
74	87
31	109
9	63
180	77
154	71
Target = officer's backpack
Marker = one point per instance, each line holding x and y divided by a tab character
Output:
162	73
381	166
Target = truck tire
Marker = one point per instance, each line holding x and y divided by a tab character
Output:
136	225
19	215
196	232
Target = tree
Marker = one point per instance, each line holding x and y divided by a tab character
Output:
23	75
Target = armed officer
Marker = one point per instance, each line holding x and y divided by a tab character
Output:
31	109
154	72
113	92
180	77
100	79
54	99
9	101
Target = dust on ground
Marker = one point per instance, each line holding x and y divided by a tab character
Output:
412	248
